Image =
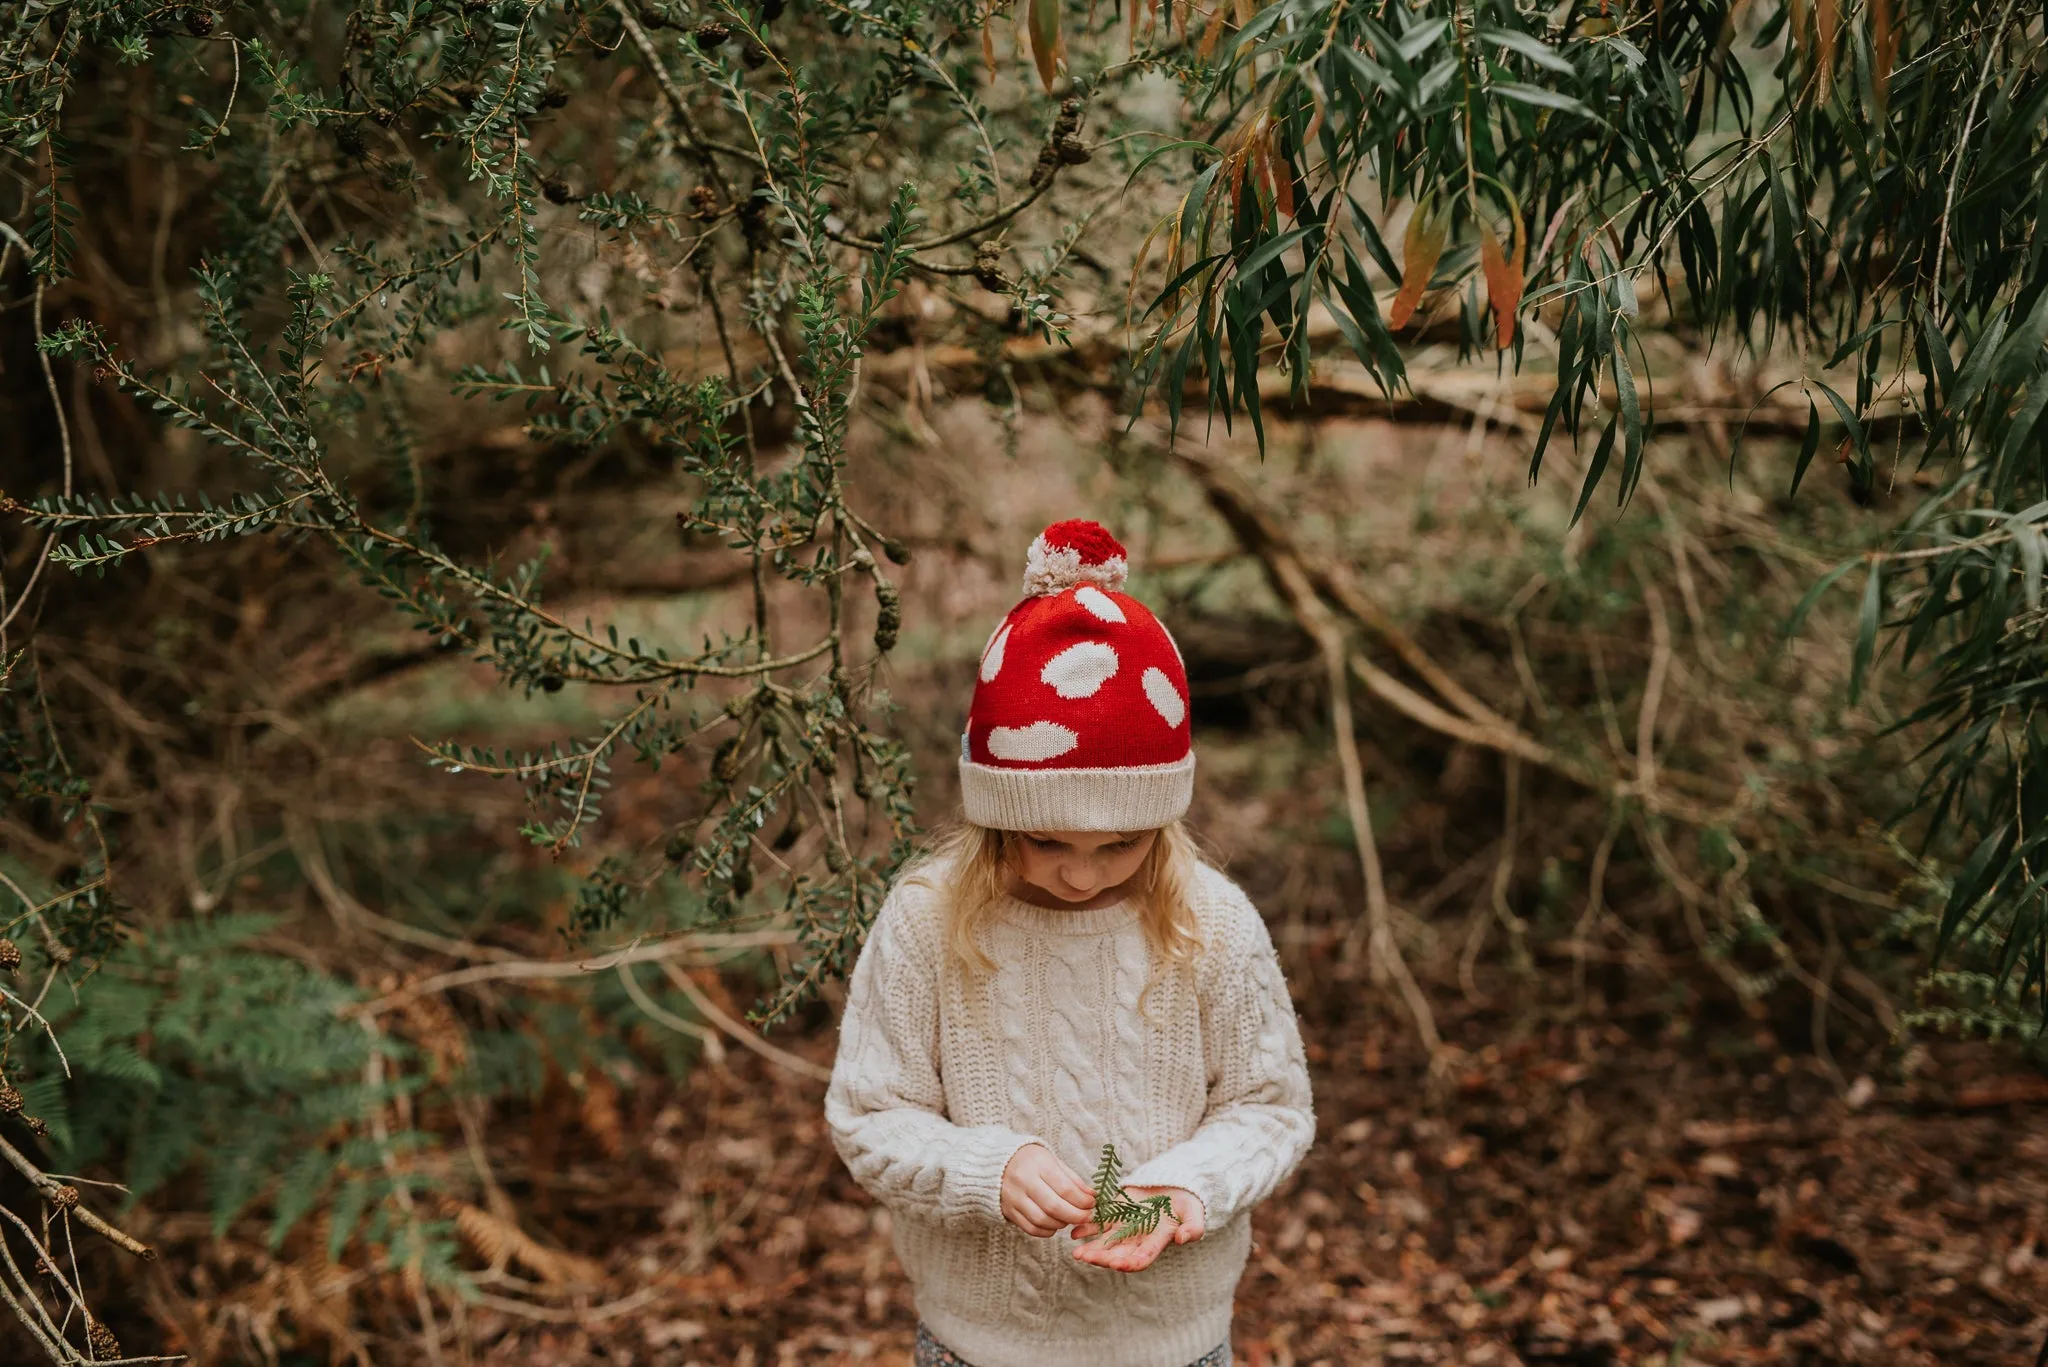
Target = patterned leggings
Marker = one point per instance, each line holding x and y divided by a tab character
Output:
931	1353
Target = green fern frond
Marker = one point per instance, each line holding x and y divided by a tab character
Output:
1117	1211
300	1190
117	1059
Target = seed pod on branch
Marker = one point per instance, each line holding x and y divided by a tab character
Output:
888	615
988	268
1048	163
105	1347
792	831
1069	120
10	1099
10	955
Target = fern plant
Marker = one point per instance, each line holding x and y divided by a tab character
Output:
1120	1214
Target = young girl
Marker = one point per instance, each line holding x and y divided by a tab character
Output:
1064	973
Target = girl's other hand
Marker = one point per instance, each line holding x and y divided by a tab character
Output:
1042	1195
1137	1254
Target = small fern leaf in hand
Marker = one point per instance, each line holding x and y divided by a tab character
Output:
1119	1215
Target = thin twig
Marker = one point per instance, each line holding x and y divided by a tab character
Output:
8	614
659	70
349	913
1261	534
49	1258
1386	960
37	1016
1596	891
1962	148
541	970
48	1185
713	1043
711	1011
1653	690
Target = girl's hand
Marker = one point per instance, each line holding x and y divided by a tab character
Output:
1042	1195
1138	1253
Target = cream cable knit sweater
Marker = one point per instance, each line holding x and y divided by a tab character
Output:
940	1080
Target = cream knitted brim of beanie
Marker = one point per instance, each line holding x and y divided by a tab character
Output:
1080	713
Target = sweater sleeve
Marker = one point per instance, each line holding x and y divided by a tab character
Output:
1259	1120
886	1104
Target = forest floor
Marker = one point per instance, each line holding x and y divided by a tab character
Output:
1606	1190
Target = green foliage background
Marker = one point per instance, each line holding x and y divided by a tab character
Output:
1769	181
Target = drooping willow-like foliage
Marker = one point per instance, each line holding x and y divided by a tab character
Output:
1862	188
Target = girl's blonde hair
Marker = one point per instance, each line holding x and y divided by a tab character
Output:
974	865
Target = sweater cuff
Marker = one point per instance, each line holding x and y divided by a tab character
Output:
977	1169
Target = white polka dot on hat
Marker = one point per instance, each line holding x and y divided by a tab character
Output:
1080	712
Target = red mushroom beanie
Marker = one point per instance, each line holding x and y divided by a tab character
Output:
1080	714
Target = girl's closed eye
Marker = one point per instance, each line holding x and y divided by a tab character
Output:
1039	842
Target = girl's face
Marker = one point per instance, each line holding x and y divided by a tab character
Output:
1075	868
